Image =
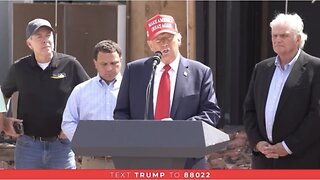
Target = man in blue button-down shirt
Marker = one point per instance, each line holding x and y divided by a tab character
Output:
95	99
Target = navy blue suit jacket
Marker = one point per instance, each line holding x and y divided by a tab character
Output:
194	95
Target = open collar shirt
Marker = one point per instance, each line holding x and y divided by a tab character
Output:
279	78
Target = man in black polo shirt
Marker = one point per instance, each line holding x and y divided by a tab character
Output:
44	81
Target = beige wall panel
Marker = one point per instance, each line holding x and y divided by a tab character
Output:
191	33
136	47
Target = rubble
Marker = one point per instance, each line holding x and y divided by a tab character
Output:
235	156
6	156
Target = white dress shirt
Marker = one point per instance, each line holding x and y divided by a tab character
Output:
173	76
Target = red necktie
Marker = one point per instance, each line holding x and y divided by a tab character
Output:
163	99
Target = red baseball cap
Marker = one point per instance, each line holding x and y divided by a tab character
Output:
159	24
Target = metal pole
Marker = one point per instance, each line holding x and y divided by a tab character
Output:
286	8
187	25
56	25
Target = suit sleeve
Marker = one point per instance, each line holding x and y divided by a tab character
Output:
209	110
307	134
250	114
122	109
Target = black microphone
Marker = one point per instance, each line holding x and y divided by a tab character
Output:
156	60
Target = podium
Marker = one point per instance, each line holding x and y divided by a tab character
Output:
147	144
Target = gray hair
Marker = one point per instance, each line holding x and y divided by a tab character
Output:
294	21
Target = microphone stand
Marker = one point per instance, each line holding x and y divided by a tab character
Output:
146	112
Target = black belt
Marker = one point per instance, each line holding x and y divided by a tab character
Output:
44	139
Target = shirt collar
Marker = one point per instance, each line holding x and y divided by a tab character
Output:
115	83
291	63
174	64
53	62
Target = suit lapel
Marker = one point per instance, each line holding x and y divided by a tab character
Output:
146	77
293	79
266	80
181	83
265	84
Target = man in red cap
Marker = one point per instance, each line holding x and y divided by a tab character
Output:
182	88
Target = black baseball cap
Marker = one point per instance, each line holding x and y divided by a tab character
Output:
35	24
